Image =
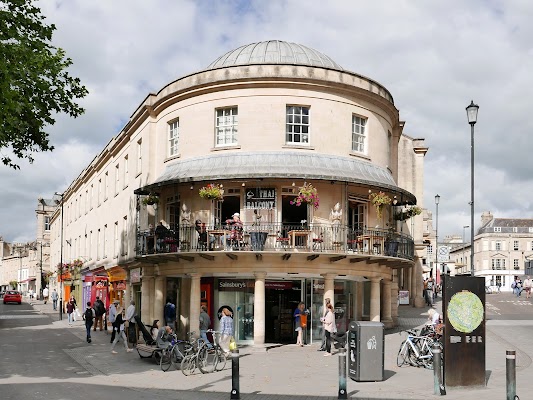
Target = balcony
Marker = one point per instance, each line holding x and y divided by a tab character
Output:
300	238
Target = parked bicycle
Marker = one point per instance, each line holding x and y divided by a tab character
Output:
211	358
417	350
177	351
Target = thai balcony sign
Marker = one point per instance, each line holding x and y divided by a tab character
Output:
257	198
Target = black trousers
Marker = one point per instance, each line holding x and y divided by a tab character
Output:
328	341
113	333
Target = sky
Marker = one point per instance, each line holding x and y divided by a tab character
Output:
433	56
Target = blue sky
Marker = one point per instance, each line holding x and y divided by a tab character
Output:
434	57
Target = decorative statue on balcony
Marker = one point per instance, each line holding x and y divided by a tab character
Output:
185	216
336	215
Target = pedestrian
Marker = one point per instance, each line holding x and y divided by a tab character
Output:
527	286
164	337
45	294
323	312
298	323
70	311
113	317
54	297
99	309
131	313
75	312
499	286
88	316
226	329
154	329
170	314
517	286
205	322
30	294
119	327
329	327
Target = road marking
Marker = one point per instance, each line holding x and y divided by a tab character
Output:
28	316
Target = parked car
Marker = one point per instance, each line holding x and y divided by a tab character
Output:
12	296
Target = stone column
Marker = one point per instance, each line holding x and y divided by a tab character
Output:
259	309
159	303
387	317
375	299
418	285
394	303
185	307
147	285
194	323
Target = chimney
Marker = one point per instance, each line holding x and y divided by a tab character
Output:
486	217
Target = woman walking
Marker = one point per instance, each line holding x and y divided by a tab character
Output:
329	328
119	326
226	329
71	306
298	314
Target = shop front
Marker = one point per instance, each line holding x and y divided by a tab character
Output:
117	284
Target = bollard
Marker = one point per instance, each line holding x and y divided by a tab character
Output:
235	391
342	374
510	374
438	386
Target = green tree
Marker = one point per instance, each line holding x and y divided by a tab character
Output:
34	82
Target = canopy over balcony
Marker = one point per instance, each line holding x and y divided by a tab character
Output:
283	165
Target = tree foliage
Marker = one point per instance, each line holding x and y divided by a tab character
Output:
34	82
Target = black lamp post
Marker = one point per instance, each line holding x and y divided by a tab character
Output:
464	227
437	201
61	262
471	113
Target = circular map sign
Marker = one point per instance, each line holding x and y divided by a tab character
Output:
465	311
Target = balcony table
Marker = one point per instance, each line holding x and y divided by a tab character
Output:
303	233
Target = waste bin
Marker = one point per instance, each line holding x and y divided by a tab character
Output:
366	343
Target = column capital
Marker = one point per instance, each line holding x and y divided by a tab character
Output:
329	275
376	279
193	275
260	274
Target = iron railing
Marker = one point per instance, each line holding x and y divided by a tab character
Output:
276	237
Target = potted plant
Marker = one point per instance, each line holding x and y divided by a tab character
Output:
212	191
407	213
306	194
151	199
379	200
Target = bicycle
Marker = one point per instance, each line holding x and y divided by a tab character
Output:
211	359
417	350
175	352
190	361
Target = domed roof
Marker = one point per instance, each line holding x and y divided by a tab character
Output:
274	52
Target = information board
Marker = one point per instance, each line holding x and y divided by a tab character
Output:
464	332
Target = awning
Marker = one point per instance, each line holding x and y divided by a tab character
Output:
116	274
284	165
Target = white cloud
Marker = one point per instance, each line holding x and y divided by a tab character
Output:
434	57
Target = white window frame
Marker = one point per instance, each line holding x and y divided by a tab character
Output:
139	157
497	229
116	241
117	179
125	235
498	245
173	137
297	118
359	137
46	223
516	245
126	171
515	263
226	126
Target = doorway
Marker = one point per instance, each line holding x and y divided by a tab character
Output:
280	303
230	206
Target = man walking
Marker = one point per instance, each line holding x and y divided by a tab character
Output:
99	309
170	314
113	318
54	297
88	316
527	287
45	294
205	322
323	313
130	319
429	291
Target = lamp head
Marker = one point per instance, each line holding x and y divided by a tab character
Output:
437	199
471	112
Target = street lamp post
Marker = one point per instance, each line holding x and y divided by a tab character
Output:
437	201
471	113
464	227
61	263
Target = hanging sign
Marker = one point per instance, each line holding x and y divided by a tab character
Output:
258	198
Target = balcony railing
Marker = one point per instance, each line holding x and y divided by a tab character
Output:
276	237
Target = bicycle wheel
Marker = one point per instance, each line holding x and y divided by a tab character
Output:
207	359
188	364
401	358
166	360
221	360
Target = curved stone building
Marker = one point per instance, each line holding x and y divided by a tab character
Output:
260	125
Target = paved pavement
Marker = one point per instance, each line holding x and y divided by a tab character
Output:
291	372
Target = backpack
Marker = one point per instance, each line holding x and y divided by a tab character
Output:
513	285
88	314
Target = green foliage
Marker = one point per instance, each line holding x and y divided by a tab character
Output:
34	82
13	284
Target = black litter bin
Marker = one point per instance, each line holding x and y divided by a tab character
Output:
366	358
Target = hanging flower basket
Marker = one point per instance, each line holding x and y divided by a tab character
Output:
212	191
306	194
379	200
408	213
151	199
